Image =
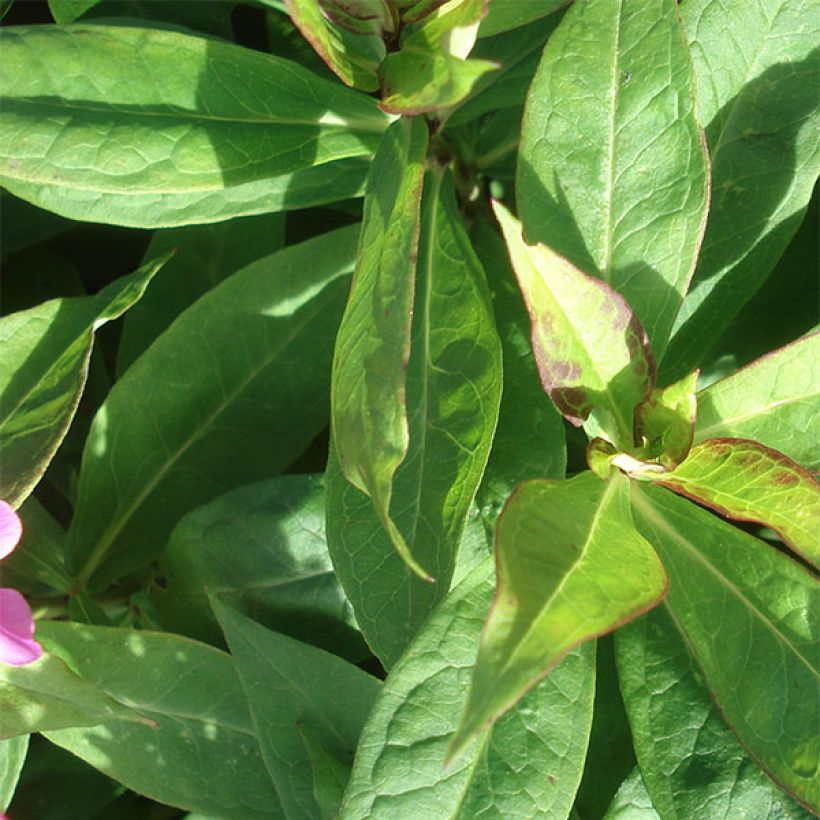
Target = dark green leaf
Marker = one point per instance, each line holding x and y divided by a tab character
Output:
509	14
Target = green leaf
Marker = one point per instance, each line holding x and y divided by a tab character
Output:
67	11
202	753
46	351
430	71
746	481
245	371
204	256
592	353
510	14
612	171
558	547
215	124
330	775
354	59
47	694
774	400
756	67
527	765
291	685
728	593
37	565
369	413
12	757
665	422
261	549
452	398
24	225
691	762
529	441
631	801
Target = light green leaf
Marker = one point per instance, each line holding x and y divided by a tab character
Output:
204	255
12	757
353	57
452	398
330	775
749	615
749	482
612	170
757	68
290	684
399	770
691	762
509	14
37	565
245	371
561	551
202	753
47	694
215	123
430	70
46	351
592	353
369	412
67	11
665	422
632	801
774	400
261	549
530	441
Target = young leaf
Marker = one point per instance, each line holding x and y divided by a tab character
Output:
632	802
47	694
204	255
46	351
212	121
12	757
774	400
430	71
201	753
559	545
749	482
511	14
691	762
354	58
452	395
592	353
757	69
612	171
244	370
665	422
530	440
261	549
399	770
368	389
729	592
291	686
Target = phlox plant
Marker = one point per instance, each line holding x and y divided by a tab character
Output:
408	409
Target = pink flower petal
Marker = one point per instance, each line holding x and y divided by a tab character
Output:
11	529
17	646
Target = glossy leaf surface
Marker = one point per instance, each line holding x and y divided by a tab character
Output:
453	395
204	255
212	120
691	762
399	770
12	757
211	384
261	550
612	172
368	401
744	480
46	352
756	65
293	688
556	545
202	754
774	400
592	353
749	614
